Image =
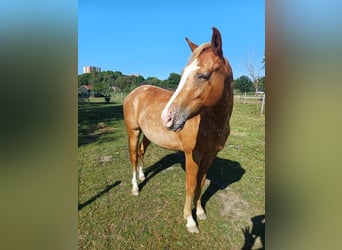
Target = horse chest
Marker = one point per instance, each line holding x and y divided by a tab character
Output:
213	138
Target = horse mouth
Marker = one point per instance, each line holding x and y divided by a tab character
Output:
177	128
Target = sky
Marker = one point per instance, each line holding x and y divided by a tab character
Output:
148	37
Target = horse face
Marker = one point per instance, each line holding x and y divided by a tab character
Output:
201	86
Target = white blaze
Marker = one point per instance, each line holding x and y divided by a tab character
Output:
188	70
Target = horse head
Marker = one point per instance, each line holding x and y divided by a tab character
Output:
202	83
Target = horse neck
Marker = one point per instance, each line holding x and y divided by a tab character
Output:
222	110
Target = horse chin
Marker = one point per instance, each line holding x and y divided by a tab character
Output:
177	127
180	128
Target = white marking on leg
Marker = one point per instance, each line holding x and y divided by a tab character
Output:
188	70
135	189
191	225
190	221
200	213
141	174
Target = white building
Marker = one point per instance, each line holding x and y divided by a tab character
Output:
89	69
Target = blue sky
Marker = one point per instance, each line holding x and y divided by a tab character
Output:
148	37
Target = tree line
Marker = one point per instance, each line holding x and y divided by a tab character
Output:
104	82
245	84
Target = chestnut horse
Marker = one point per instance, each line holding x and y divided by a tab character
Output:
193	119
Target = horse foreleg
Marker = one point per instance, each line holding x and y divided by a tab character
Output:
141	152
191	171
133	140
200	213
202	174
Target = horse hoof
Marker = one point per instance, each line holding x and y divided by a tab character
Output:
193	229
135	192
202	216
141	177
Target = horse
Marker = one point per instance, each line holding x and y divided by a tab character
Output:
193	119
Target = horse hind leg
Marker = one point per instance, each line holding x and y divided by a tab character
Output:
141	152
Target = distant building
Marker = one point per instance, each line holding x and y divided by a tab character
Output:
89	69
85	91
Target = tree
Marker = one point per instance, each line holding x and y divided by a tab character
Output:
254	76
124	82
262	83
139	79
243	84
97	88
107	89
154	81
172	81
83	79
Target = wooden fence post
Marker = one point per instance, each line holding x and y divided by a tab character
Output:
263	104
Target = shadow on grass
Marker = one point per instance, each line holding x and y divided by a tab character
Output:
93	118
94	198
166	162
221	174
258	230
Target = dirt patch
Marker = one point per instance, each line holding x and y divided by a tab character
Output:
234	205
105	158
239	133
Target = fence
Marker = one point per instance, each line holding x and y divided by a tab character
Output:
256	98
117	97
251	98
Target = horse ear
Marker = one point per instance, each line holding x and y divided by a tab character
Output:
216	42
192	45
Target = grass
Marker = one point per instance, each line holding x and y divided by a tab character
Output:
111	218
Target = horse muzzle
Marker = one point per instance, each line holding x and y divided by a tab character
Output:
173	120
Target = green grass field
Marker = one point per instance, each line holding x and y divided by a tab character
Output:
111	218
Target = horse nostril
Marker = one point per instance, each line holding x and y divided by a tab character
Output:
169	121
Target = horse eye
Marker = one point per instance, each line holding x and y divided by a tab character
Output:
204	76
